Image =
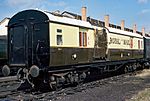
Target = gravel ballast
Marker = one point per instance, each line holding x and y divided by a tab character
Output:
119	88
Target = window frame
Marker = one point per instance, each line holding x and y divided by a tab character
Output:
82	39
59	39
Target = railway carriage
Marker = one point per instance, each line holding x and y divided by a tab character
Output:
147	50
55	49
3	42
3	52
123	45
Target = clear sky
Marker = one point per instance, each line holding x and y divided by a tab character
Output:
132	11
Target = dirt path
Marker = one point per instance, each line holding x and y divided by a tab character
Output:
124	88
143	95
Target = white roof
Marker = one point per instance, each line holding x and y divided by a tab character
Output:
147	37
70	21
76	22
3	28
114	30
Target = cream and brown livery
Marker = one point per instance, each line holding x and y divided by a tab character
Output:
55	49
124	45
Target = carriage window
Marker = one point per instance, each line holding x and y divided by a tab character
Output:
131	43
59	40
83	39
59	30
139	44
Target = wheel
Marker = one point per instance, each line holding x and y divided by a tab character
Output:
126	69
30	80
55	84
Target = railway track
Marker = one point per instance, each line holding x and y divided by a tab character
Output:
13	94
9	85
